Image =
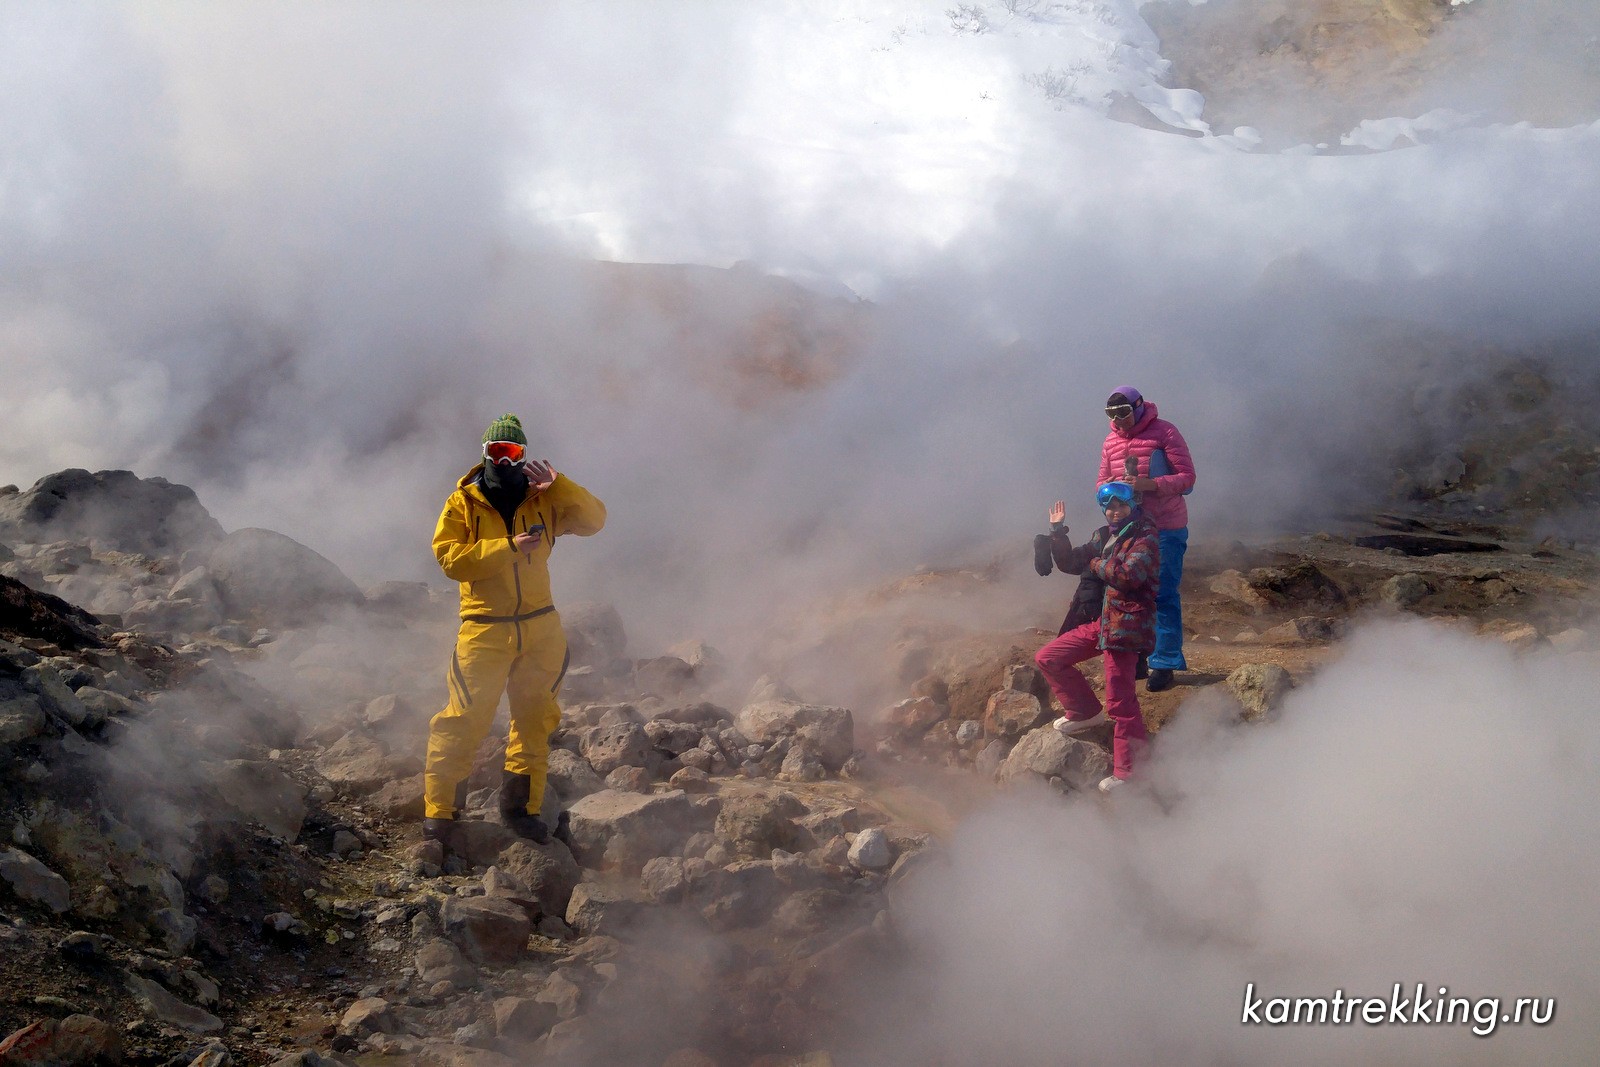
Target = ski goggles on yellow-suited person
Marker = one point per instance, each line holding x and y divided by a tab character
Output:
504	452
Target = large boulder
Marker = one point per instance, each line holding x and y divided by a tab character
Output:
69	1042
1009	714
616	829
595	636
254	791
488	930
828	732
1046	753
266	577
151	516
33	882
26	612
548	871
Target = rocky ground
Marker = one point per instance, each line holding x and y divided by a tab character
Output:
210	756
1308	71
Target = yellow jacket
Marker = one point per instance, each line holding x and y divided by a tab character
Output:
473	546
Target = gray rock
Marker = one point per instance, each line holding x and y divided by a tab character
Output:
608	747
1045	753
175	929
1259	688
356	764
33	882
969	731
389	710
571	775
58	700
117	508
1404	590
828	731
624	830
258	792
870	850
75	1041
549	871
595	636
1009	714
989	761
629	779
602	908
1236	587
101	704
369	1015
487	929
663	879
523	1018
438	960
912	718
663	676
751	825
799	765
673	738
156	1001
267	577
22	714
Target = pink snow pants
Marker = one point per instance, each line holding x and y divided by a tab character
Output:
1058	662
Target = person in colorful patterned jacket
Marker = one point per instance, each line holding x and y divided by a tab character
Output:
1125	554
1150	454
495	537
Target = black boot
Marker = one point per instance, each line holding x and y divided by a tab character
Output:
514	793
440	830
1142	668
1160	679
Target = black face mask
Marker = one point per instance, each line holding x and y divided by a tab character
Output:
505	478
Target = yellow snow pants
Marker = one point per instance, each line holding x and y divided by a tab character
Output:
525	659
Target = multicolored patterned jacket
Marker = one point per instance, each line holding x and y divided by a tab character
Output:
1129	564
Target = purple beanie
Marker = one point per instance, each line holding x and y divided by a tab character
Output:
1132	395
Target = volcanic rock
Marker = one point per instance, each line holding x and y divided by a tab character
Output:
151	516
1046	753
70	1042
828	731
487	929
1009	714
1259	688
275	580
33	882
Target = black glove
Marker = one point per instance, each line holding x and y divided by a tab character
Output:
1041	555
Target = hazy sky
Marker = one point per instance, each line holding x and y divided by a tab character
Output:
298	255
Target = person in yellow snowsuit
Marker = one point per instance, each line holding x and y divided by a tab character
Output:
495	537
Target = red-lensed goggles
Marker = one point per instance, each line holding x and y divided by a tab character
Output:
504	452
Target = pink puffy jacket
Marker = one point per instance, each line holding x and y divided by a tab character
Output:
1165	506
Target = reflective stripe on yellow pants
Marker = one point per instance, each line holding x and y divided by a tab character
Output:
526	661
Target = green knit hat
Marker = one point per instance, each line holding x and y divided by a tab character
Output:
506	428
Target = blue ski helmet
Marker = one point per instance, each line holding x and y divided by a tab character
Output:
1115	491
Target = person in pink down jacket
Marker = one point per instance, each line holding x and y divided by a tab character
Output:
1163	474
1124	555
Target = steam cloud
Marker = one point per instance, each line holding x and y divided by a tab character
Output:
298	255
1423	812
